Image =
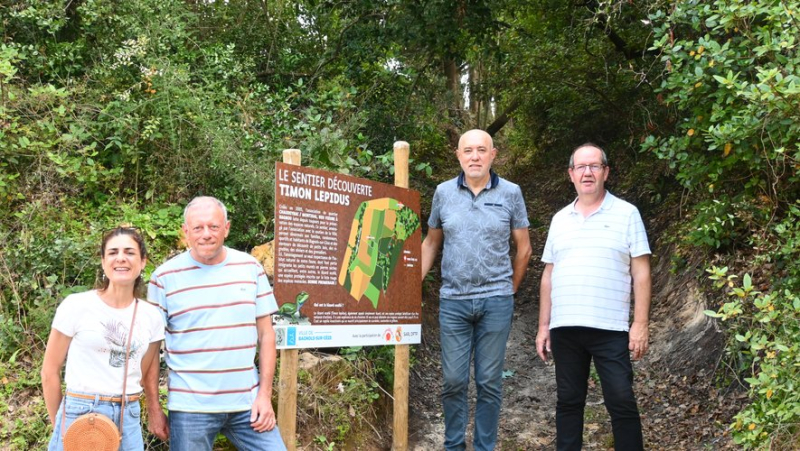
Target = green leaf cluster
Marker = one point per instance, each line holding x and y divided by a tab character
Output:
731	75
342	395
764	327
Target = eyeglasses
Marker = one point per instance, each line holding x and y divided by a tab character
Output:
592	167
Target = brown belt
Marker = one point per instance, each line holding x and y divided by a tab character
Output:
131	398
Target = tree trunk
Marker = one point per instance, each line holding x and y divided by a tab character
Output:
503	118
453	80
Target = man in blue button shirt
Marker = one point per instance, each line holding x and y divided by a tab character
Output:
475	216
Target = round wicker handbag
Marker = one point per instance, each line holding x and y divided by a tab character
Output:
94	431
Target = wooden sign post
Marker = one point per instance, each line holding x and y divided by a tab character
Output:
287	386
401	351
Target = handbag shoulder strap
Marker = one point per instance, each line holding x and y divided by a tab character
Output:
127	358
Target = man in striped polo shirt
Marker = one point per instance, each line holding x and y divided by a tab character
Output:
596	249
217	305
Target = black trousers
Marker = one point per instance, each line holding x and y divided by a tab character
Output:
573	350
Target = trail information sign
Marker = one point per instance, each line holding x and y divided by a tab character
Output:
347	261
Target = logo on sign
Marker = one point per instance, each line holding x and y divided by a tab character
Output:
389	334
291	336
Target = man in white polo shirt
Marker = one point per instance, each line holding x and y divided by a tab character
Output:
596	250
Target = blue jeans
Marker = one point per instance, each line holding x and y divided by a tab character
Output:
573	350
473	328
131	430
193	431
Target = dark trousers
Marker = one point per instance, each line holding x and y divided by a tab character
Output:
573	350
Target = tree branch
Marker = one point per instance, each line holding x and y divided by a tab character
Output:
503	118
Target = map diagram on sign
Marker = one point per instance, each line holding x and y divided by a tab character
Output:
380	227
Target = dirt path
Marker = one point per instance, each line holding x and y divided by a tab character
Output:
680	405
527	420
528	417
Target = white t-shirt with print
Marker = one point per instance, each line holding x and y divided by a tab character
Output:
96	355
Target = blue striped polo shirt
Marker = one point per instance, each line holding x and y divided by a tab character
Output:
210	314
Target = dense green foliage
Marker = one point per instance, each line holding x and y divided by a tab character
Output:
732	85
120	112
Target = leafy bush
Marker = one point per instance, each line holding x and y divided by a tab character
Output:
341	395
729	91
721	223
765	327
21	413
51	251
730	74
